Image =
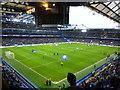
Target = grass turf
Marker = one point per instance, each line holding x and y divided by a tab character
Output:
37	66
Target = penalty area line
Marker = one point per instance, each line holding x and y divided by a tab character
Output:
30	69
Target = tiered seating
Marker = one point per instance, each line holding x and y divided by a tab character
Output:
97	41
93	33
16	25
10	78
20	41
13	80
107	78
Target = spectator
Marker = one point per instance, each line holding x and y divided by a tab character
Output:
63	85
47	81
71	78
50	81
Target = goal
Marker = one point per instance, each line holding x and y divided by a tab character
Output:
9	55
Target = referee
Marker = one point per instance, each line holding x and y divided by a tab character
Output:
61	63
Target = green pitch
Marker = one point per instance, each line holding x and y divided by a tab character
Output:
43	64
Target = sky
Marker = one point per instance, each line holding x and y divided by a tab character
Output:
84	16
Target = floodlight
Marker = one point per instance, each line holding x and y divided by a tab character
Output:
84	30
16	20
4	8
13	10
22	2
2	3
4	13
27	3
8	9
45	4
53	4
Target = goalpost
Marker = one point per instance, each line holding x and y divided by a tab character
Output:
9	55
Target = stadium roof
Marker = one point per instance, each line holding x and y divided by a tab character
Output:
108	9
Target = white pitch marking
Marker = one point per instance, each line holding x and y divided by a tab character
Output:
82	70
44	64
45	77
31	69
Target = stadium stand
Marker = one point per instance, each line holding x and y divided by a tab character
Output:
108	77
31	35
16	25
21	41
13	34
101	33
12	79
97	41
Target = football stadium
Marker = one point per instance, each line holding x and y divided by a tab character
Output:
60	45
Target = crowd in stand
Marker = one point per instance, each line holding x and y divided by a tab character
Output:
76	35
10	80
108	78
90	33
24	26
94	33
97	41
21	41
17	26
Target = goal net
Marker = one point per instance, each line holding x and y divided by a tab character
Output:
9	55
